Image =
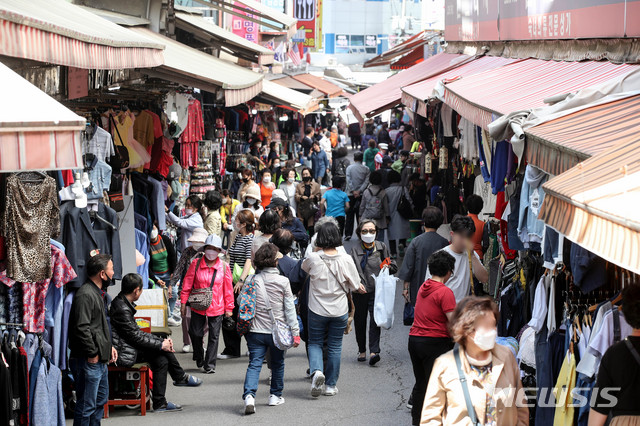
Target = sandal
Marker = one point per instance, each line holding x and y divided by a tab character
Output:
189	380
374	359
362	358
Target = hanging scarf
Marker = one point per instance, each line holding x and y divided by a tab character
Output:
367	252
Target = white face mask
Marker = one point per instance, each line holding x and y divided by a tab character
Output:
290	180
485	339
266	179
154	234
188	212
197	246
250	200
225	200
276	165
211	254
368	238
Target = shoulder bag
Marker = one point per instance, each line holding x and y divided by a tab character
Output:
121	159
281	332
200	298
465	389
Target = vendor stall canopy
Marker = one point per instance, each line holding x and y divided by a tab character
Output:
36	132
387	94
257	12
231	43
405	54
524	85
58	32
191	67
287	98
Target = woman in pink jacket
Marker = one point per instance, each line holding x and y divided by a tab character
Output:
206	271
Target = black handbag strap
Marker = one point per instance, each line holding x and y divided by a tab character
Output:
633	350
465	389
215	271
112	121
616	325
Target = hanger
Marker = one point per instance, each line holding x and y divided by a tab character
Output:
95	215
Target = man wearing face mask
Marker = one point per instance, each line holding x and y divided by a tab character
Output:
208	272
90	342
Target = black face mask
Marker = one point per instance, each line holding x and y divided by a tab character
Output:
307	179
106	283
245	180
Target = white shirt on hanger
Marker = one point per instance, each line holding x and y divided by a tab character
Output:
539	313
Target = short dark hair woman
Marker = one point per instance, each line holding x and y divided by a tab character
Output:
332	276
429	336
268	223
473	328
620	370
368	257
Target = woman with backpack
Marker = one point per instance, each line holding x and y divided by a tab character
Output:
278	307
375	204
369	257
401	208
208	271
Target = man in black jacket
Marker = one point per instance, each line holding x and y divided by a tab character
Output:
134	345
90	342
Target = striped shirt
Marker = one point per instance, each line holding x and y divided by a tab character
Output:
240	251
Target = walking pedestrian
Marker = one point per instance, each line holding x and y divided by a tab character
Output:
320	163
370	256
487	369
290	222
357	182
307	143
335	203
380	156
90	342
288	185
239	259
355	134
375	204
370	155
399	226
307	199
213	220
414	264
212	272
268	223
247	183
278	307
429	336
266	187
332	276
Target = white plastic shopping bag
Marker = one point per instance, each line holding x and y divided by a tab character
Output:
385	299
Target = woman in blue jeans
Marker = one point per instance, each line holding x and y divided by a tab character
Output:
259	338
332	276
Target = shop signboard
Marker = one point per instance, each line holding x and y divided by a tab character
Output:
469	20
371	41
244	28
305	12
77	83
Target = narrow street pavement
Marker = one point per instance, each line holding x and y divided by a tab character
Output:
368	395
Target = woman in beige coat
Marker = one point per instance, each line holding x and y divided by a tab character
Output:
491	372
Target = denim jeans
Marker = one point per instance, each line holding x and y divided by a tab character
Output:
258	344
92	391
333	329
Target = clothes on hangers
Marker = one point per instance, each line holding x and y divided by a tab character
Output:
99	144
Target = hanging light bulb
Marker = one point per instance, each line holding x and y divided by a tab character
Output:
254	111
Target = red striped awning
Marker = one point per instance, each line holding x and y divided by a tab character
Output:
409	46
407	61
36	132
558	145
416	95
387	94
595	204
58	32
524	85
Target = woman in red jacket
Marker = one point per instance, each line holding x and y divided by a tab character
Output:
203	272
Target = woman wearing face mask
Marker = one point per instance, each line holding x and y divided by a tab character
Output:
491	372
161	264
266	187
195	250
208	271
247	182
368	256
189	221
429	336
307	199
289	185
239	254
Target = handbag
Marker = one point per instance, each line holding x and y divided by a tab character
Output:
116	200
200	298
404	206
281	332
465	389
408	314
121	159
237	272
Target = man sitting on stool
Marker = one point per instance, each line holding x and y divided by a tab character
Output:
134	345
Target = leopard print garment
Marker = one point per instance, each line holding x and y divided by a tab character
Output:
31	217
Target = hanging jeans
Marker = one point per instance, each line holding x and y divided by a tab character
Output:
333	329
259	344
92	391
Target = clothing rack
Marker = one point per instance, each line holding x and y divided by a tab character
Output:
12	324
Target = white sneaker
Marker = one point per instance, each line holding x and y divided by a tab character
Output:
174	323
275	400
186	349
250	404
331	391
225	356
317	384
